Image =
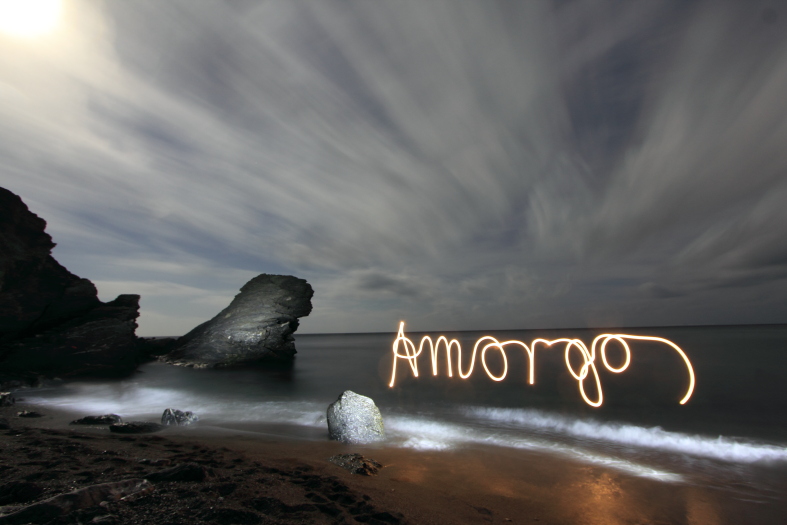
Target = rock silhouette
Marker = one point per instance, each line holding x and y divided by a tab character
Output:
257	326
51	321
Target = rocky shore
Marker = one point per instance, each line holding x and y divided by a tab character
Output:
69	475
199	474
52	323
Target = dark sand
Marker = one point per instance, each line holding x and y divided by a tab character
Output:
270	479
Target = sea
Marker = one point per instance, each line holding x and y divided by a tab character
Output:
730	436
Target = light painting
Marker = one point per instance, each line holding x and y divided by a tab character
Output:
404	348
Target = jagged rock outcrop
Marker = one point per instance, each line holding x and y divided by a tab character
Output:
355	419
99	343
257	326
51	321
357	464
178	418
36	292
106	419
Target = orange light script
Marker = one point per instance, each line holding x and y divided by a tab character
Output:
486	343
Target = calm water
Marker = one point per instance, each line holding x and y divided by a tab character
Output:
731	434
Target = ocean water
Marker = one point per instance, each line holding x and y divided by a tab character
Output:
731	435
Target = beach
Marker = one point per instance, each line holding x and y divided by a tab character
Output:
257	478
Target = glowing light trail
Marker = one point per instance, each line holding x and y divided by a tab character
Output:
588	357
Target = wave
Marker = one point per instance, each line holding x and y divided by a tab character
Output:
721	448
427	434
134	401
463	426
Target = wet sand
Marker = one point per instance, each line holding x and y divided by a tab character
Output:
253	478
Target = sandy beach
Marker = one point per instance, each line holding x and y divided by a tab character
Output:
248	478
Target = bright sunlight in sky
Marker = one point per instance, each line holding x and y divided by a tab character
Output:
29	18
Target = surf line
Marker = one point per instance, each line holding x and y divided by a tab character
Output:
588	357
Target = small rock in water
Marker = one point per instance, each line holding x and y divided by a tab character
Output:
172	417
136	427
356	463
6	399
29	413
106	419
354	418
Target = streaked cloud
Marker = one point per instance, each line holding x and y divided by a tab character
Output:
458	164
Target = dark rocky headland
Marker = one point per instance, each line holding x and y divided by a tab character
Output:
52	323
51	474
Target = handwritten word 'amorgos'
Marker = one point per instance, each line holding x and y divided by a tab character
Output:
486	343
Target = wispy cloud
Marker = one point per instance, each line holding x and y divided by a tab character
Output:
511	164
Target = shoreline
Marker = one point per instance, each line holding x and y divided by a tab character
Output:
481	484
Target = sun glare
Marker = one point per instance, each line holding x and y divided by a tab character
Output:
29	18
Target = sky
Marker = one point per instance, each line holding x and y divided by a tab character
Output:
456	164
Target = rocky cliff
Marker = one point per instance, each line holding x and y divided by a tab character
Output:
51	321
257	326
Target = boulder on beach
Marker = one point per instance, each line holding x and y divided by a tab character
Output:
256	327
106	419
354	418
51	321
172	417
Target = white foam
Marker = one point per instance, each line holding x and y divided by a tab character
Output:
133	401
427	434
722	448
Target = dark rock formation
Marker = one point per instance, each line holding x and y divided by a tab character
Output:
356	463
172	417
257	326
354	418
51	321
136	427
29	413
107	419
36	292
7	399
99	343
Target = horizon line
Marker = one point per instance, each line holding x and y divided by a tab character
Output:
517	329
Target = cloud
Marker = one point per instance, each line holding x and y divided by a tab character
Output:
378	282
508	164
